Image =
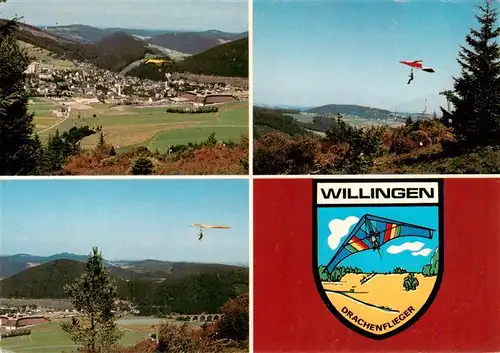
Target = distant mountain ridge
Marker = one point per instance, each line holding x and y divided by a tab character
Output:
350	109
117	50
11	265
190	42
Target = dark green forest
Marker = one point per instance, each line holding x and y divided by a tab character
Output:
228	60
205	291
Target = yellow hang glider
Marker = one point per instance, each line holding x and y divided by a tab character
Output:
207	226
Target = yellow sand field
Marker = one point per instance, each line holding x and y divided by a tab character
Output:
378	301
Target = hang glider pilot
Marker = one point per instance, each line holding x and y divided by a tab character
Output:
373	239
411	76
200	234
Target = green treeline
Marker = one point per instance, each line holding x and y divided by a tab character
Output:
205	292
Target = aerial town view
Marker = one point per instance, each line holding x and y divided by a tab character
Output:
122	266
375	88
107	90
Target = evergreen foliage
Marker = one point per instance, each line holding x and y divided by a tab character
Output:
93	295
19	147
476	94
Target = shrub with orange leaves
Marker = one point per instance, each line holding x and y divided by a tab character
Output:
218	159
234	325
278	153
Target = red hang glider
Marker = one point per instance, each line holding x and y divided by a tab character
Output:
416	64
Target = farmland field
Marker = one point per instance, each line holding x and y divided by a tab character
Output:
153	127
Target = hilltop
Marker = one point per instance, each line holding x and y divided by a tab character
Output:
113	52
195	42
14	264
350	109
90	34
225	60
114	49
47	280
187	294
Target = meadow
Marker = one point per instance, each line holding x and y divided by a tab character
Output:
49	338
132	126
351	120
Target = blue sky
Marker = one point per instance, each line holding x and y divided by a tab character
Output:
425	216
348	52
227	15
127	219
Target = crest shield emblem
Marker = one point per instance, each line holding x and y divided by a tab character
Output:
378	251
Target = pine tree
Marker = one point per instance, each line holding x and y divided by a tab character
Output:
93	295
101	144
476	94
18	145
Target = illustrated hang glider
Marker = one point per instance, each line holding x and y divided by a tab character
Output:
207	226
416	64
371	232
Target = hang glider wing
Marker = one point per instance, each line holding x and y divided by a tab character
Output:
208	226
417	64
384	230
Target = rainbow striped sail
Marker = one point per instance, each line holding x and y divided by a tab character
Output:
382	229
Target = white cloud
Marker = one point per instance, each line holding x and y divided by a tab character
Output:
408	246
339	228
423	252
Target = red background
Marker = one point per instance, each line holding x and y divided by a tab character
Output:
290	316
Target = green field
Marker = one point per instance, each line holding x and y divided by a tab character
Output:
127	126
43	110
302	118
49	338
351	120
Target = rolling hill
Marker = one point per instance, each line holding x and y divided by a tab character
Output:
47	280
195	42
182	41
89	34
349	109
112	52
155	269
227	60
117	49
193	293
